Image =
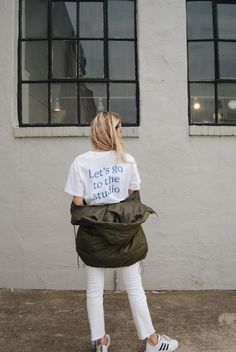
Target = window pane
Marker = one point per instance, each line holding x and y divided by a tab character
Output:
34	18
35	103
35	60
123	101
227	103
93	98
91	63
64	19
227	21
91	19
201	61
121	19
227	54
64	58
202	102
199	20
121	60
64	103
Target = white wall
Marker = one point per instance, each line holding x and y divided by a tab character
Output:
189	180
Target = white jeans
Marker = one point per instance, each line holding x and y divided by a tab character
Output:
137	299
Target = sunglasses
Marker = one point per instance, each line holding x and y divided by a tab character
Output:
118	125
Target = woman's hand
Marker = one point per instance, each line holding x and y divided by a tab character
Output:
78	200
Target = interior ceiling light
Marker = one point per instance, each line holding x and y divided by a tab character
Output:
196	104
232	104
57	106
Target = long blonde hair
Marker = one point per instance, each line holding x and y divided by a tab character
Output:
103	133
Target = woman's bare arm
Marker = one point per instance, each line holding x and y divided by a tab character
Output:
78	200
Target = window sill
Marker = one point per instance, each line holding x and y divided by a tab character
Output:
73	131
212	130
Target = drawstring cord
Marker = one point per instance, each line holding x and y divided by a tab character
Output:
75	244
141	266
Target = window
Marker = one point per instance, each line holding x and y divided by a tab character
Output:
77	58
211	35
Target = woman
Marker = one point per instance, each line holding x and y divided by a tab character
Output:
108	175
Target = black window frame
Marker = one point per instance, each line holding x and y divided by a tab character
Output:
217	78
76	80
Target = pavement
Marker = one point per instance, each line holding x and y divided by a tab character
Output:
41	320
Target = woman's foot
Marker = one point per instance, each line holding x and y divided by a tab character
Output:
153	339
103	341
102	344
163	343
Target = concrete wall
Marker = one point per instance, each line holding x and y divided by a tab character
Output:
189	180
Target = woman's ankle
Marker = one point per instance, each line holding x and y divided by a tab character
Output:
153	339
102	341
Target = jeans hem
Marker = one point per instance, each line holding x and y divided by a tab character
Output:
97	338
146	336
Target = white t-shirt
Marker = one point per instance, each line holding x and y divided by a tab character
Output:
99	179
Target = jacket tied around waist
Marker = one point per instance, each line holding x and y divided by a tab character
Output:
111	235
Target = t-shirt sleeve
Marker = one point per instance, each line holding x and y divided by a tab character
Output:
135	178
74	184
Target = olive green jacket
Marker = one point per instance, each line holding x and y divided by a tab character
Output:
111	235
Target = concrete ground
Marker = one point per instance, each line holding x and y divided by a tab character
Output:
56	321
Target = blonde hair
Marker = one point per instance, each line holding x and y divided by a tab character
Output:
103	133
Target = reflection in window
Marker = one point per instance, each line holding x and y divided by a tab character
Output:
34	18
33	53
226	21
91	19
121	19
35	103
201	60
123	101
93	98
227	102
64	58
92	60
202	102
121	60
227	55
64	103
199	20
64	19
